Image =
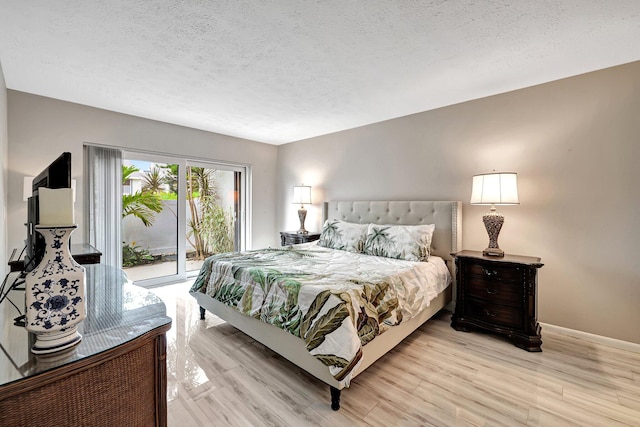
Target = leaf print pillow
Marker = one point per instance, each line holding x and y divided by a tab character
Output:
408	242
346	236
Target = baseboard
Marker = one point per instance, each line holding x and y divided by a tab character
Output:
598	339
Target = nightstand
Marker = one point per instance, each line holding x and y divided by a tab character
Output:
498	294
293	238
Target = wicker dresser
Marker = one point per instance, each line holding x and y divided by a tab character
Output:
116	376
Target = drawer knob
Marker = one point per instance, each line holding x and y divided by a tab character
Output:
492	291
489	273
489	313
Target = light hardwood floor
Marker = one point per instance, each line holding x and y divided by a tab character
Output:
437	376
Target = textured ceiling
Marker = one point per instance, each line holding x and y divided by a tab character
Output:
278	71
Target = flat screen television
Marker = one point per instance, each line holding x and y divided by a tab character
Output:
56	175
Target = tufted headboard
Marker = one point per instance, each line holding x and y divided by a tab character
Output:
447	216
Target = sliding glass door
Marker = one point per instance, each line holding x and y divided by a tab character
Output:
150	218
214	220
176	213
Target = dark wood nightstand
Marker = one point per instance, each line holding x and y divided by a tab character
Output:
293	238
498	294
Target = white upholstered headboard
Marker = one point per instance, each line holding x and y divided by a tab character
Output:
447	217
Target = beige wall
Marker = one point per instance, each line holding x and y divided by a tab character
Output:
41	128
575	144
4	156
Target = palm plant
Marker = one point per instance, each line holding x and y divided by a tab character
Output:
154	180
198	181
142	204
127	171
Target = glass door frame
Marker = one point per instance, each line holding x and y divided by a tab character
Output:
183	162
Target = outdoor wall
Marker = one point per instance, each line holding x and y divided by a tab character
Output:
575	146
41	128
161	237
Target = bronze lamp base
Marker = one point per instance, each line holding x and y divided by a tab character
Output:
302	214
493	223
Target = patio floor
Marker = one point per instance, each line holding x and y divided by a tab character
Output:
160	269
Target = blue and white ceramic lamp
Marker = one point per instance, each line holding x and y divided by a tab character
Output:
55	289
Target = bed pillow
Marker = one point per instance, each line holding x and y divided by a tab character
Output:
408	242
346	236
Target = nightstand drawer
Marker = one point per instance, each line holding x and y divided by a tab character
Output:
495	314
495	272
495	291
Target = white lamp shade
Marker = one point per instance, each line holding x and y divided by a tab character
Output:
495	189
302	195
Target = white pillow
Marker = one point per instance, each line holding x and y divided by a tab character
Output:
408	242
346	236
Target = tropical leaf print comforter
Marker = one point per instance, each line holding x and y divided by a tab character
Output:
336	301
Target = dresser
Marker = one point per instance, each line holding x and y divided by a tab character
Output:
498	294
115	376
294	238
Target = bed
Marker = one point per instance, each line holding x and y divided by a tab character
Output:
219	276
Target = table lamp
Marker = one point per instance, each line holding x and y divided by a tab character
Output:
302	196
496	188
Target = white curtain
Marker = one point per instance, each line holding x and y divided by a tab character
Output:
103	171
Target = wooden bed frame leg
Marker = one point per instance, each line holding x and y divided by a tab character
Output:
335	398
202	312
